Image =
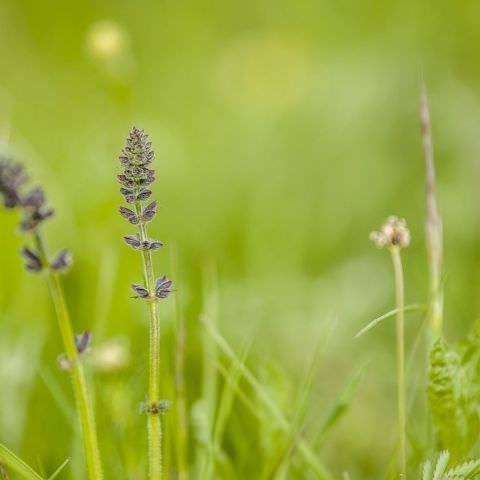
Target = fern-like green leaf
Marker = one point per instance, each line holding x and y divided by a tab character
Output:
466	471
427	470
441	465
445	399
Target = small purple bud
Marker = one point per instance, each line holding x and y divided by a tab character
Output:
42	215
35	199
144	195
129	215
83	341
33	262
155	245
62	261
163	287
128	194
132	240
144	182
150	211
157	408
127	182
141	291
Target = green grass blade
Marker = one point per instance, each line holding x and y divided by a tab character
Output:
341	406
241	395
58	395
17	464
416	307
290	445
304	448
58	470
226	400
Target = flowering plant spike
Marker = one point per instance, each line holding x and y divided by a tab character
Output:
136	178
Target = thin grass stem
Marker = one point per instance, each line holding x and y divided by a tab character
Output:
181	416
401	388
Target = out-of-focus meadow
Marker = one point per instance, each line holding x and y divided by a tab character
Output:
284	133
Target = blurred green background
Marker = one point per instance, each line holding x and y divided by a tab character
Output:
284	133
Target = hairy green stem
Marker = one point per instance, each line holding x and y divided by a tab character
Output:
85	410
401	389
153	417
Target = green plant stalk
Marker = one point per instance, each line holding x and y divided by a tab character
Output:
400	333
180	392
433	224
85	410
153	418
210	358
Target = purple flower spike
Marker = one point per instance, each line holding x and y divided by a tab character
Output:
135	159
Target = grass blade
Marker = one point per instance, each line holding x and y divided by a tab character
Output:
341	406
58	470
304	448
17	464
416	307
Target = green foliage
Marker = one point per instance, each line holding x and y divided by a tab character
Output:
285	131
463	470
23	469
445	398
454	394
